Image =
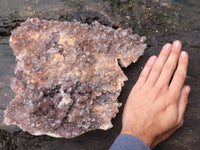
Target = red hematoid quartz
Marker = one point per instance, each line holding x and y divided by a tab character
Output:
68	76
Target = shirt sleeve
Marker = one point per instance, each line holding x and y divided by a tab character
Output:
128	142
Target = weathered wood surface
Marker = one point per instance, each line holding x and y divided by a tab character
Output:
160	22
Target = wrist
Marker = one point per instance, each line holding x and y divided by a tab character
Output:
144	138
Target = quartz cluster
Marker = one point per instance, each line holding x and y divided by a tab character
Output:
68	76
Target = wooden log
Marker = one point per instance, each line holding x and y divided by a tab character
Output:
160	23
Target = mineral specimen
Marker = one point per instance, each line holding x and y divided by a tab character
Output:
68	76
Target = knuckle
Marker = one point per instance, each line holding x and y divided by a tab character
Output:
156	68
165	105
157	88
181	74
143	74
173	95
175	51
163	54
170	66
180	124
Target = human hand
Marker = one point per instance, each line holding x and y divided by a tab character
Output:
155	107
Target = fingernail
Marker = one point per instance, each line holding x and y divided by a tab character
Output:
187	89
177	44
167	46
183	54
152	58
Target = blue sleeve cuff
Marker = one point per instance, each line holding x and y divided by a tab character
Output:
128	142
